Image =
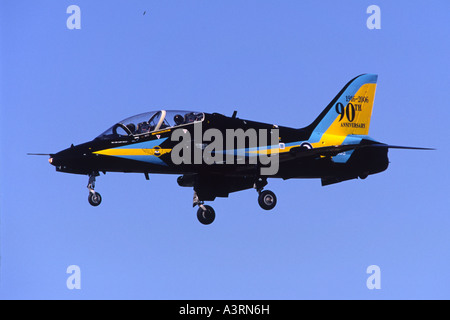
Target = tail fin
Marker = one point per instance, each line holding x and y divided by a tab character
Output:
349	112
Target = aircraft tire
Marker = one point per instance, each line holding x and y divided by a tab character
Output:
206	216
267	200
94	199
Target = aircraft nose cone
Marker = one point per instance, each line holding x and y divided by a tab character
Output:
55	161
73	160
59	160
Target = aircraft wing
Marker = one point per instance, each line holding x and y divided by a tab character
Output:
331	151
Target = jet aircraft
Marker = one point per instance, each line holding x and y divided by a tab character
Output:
335	147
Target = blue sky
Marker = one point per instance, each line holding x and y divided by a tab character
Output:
274	61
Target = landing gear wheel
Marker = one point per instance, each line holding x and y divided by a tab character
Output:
94	198
206	216
267	200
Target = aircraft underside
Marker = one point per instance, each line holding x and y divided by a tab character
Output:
210	182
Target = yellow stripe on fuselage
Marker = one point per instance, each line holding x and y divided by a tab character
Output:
134	152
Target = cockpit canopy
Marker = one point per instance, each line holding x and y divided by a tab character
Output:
151	121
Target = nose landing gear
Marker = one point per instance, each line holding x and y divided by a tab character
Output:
94	198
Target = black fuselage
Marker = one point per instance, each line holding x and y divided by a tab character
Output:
85	159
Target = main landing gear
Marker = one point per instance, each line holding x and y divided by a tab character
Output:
266	199
94	198
205	214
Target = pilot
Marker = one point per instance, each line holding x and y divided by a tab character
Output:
142	127
131	127
199	117
192	117
178	119
189	117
